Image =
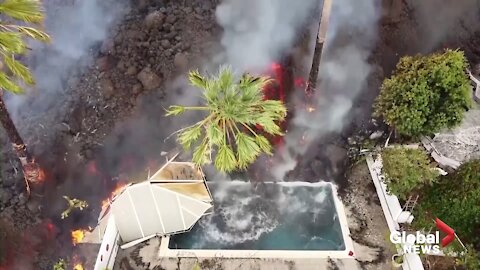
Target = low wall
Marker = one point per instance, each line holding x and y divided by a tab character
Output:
391	209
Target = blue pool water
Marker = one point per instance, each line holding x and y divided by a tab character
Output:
286	216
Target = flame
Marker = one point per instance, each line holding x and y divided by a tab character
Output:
310	109
78	266
77	236
115	192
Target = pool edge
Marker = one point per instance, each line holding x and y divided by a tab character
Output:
348	252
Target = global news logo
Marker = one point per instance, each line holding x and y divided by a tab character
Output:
420	243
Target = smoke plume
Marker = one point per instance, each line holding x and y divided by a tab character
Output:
75	27
439	20
343	75
256	33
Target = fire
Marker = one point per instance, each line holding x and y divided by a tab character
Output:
115	192
78	266
310	109
77	236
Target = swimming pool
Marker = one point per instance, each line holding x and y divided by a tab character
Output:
282	217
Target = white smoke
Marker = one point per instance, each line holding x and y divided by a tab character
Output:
256	33
75	27
343	74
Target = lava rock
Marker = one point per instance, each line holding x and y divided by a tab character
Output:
104	63
171	19
9	180
137	89
148	79
5	196
107	87
22	199
33	206
165	43
108	47
154	19
180	60
131	71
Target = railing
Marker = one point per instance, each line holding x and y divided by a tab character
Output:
392	210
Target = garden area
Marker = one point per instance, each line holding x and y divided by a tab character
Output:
425	95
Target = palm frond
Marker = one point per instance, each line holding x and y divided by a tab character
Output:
9	85
225	78
11	42
250	90
215	133
34	33
225	160
275	108
269	125
264	144
18	69
23	10
197	80
247	149
188	137
201	155
175	110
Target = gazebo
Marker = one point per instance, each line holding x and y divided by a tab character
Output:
169	202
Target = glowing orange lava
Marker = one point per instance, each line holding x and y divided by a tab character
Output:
77	236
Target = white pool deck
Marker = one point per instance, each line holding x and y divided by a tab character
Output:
347	253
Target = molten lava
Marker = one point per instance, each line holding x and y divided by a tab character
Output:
77	236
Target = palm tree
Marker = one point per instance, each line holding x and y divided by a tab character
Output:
12	44
317	53
236	117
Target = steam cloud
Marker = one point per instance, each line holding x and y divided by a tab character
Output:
343	74
256	33
75	27
442	19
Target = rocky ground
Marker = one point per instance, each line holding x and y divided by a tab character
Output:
153	43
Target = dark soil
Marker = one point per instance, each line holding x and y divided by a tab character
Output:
103	129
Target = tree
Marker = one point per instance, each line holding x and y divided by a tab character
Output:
455	199
406	170
12	72
317	53
235	109
425	93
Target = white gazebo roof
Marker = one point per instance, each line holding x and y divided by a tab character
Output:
169	202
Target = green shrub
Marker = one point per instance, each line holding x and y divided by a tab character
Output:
406	170
455	199
425	93
470	259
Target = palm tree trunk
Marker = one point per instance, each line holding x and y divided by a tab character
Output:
12	133
31	170
317	53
